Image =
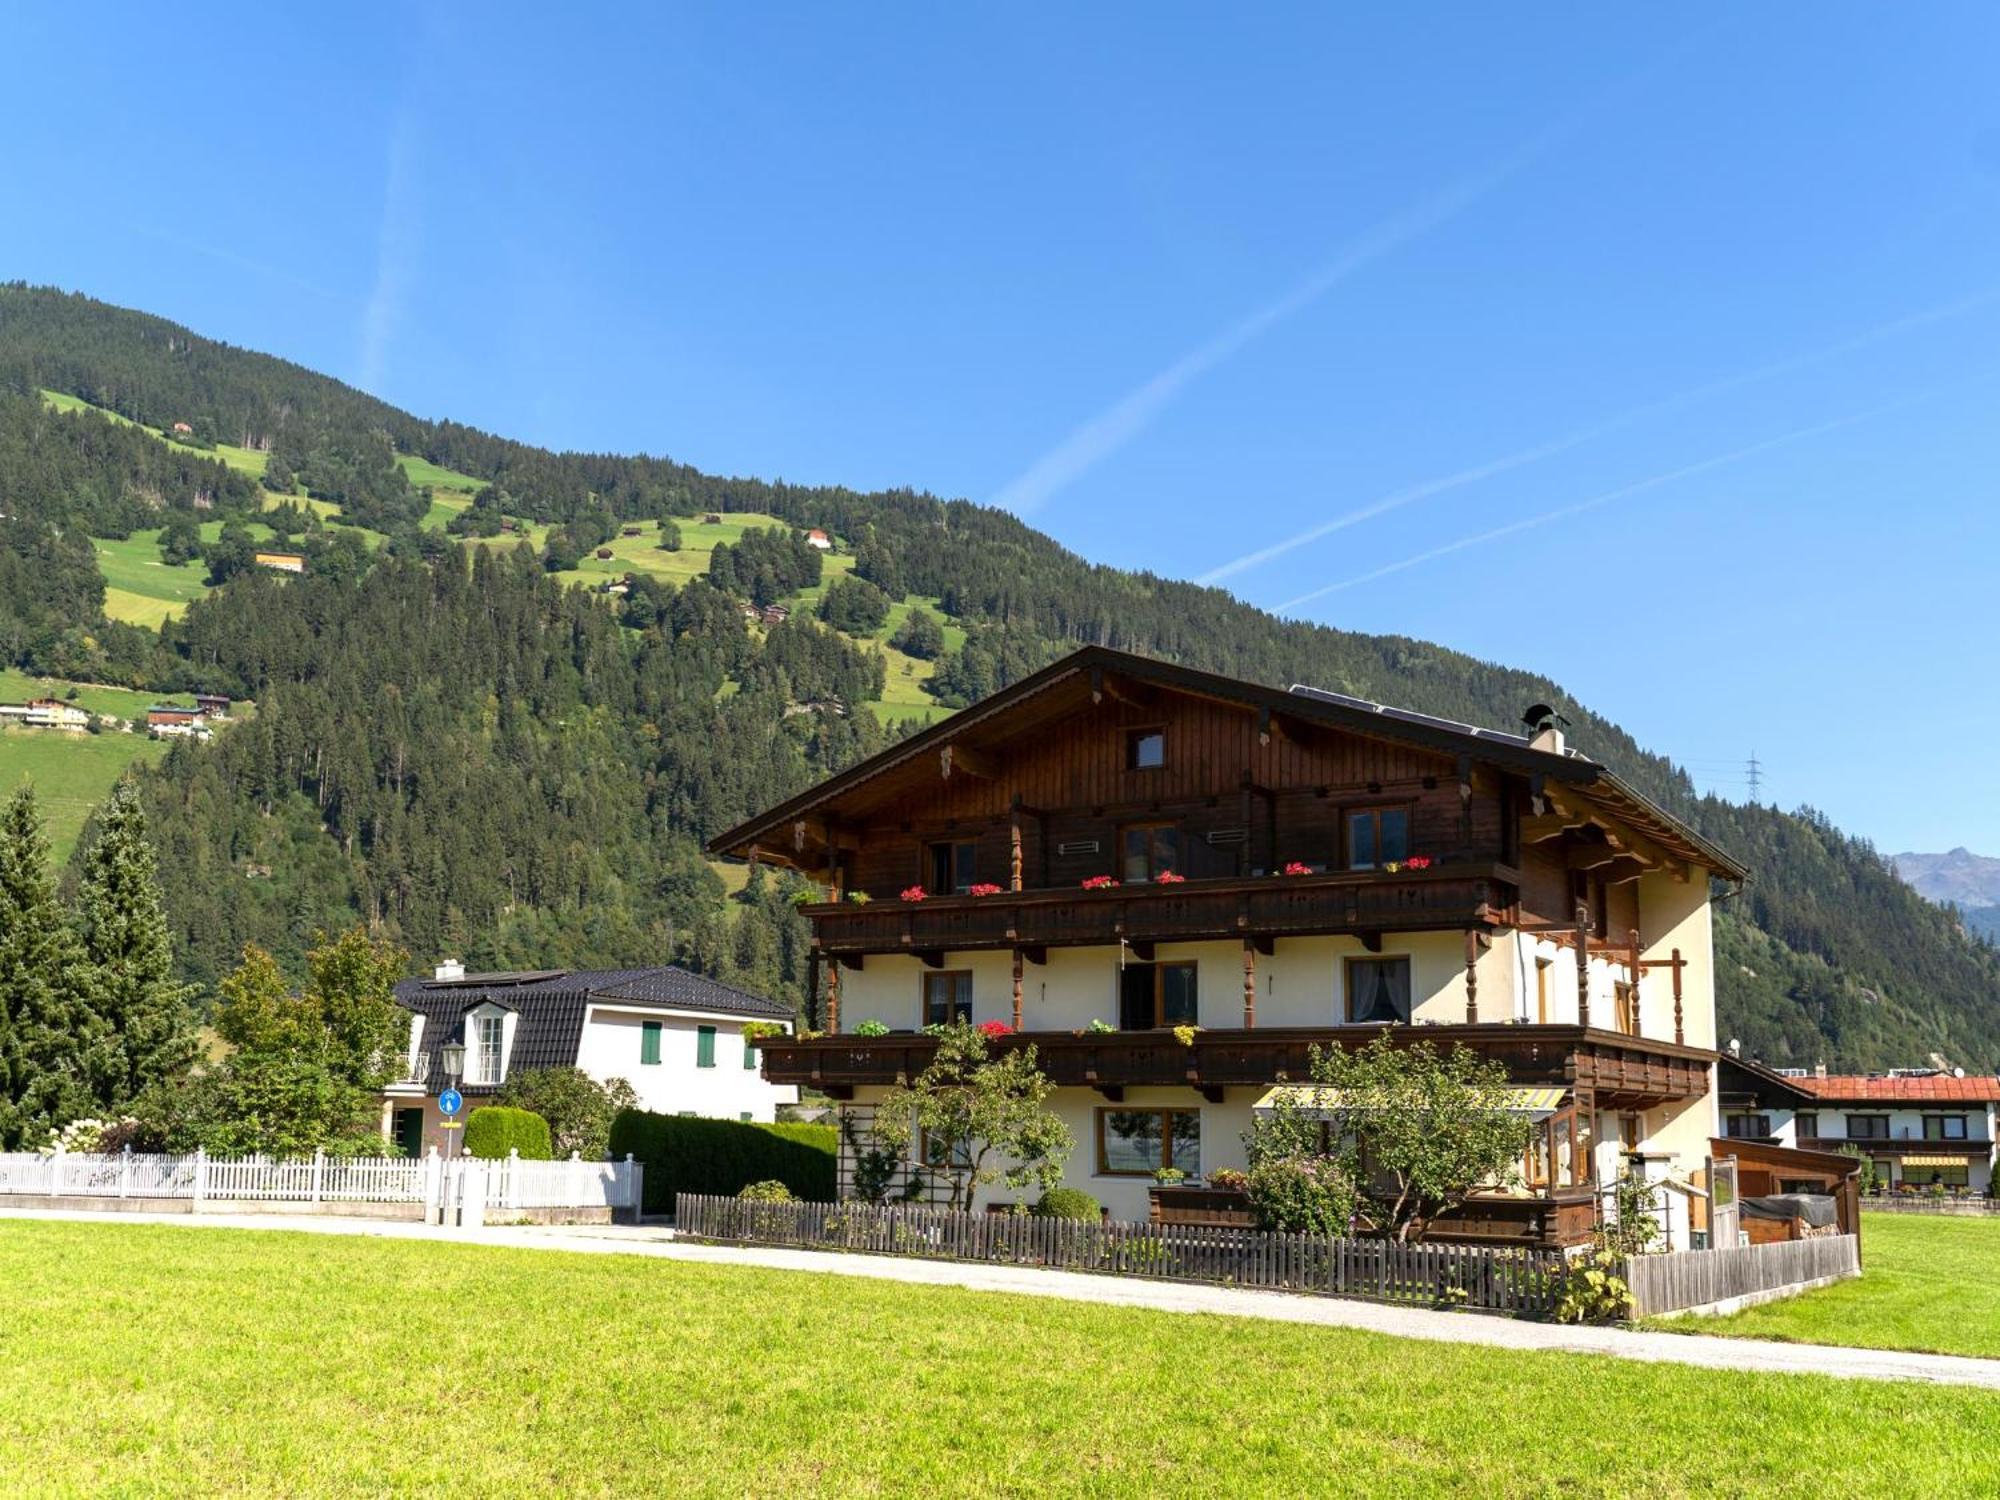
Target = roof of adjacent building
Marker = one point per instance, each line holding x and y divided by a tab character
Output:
551	1004
1511	751
1934	1088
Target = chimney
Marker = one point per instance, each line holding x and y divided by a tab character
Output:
1819	1070
1545	728
1735	1047
451	968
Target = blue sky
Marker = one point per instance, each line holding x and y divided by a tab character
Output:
1672	343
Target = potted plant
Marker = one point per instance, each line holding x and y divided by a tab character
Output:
871	1027
1098	1026
1168	877
994	1030
1296	867
1169	1177
1185	1035
984	888
858	898
912	893
1099	883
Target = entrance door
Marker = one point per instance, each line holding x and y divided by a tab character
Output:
410	1132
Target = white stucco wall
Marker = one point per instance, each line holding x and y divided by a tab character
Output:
611	1048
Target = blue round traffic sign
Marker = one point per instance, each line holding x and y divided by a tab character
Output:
449	1101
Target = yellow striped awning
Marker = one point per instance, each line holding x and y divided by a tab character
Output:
1535	1103
1958	1159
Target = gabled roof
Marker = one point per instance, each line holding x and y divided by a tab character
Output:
1049	692
1763	1082
550	1005
1938	1088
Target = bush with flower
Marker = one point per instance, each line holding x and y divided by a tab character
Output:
912	893
1168	877
1100	883
984	888
994	1030
1296	867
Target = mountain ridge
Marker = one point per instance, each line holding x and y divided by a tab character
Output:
1827	955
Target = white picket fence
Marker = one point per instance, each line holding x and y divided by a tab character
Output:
313	1181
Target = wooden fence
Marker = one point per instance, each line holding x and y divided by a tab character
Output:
423	1183
1702	1278
1523	1281
1923	1203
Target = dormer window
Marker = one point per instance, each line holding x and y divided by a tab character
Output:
486	1057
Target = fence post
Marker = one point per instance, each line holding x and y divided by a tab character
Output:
512	1192
635	1203
55	1171
575	1180
200	1177
319	1175
433	1209
125	1171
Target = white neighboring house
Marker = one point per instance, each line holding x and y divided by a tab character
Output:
676	1037
46	713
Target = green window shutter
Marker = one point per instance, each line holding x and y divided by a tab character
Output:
649	1042
704	1047
749	1057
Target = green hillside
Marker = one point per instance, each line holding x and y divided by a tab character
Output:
619	731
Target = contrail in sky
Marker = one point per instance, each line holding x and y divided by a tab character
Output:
1685	471
1119	423
1400	498
396	249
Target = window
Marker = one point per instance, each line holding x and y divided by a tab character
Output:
649	1043
1739	1127
1376	836
1378	989
1153	995
1542	968
1138	1142
1956	1176
947	997
1151	850
487	1035
1944	1127
1885	1172
942	1152
704	1046
1145	749
953	867
1868	1127
1807	1127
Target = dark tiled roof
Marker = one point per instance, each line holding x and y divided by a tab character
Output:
551	1004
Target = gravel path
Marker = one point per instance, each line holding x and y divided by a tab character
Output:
1706	1351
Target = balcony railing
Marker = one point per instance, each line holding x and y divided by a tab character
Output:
414	1072
1897	1142
1449	897
1622	1071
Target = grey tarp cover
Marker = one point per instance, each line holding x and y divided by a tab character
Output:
1815	1208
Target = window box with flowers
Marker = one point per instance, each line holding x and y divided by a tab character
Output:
1168	877
1296	867
984	888
1100	883
912	893
994	1030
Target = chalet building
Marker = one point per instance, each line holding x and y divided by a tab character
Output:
1920	1127
282	562
212	705
166	721
818	540
1116	847
676	1037
46	713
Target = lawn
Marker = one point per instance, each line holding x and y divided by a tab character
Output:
1927	1283
72	772
156	1359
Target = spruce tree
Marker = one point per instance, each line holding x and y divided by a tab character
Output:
129	960
47	1032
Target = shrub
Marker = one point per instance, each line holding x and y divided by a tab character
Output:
578	1108
496	1129
722	1157
768	1191
1229	1179
870	1027
1593	1291
1301	1195
1068	1203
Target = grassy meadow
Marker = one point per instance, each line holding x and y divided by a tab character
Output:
72	773
1927	1283
150	1359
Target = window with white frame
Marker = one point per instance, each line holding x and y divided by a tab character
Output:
488	1037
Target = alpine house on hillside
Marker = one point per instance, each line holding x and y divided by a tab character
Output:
676	1037
1116	847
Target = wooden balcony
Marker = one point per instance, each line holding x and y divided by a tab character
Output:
1623	1072
1444	898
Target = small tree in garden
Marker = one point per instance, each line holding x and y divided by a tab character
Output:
979	1118
578	1108
1415	1131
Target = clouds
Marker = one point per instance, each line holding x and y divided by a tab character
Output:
398	246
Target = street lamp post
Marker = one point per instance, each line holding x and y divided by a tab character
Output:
451	1056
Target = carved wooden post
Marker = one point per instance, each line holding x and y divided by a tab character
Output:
1679	1036
1636	969
1017	979
1249	984
1582	964
813	1009
833	996
1014	866
1471	977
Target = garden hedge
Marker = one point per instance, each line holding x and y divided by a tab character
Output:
687	1155
494	1129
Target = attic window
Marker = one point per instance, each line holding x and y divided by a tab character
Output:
1145	749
